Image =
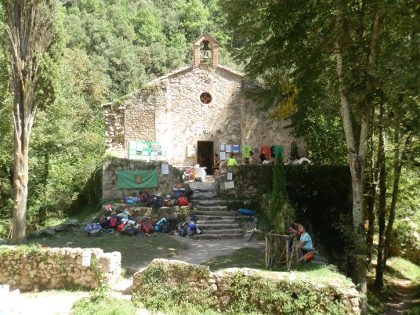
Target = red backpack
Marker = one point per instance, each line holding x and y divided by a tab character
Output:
121	227
147	226
113	222
182	201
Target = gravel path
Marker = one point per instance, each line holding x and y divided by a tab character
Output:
200	251
404	298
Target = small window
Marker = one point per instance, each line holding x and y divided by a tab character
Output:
205	98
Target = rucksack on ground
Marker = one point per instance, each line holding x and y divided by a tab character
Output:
182	201
92	229
162	226
147	226
114	221
104	222
182	229
120	227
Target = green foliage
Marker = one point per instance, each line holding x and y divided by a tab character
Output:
102	303
405	240
325	139
238	294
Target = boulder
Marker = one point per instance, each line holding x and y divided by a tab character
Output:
48	232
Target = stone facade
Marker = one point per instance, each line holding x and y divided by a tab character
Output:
218	289
169	111
112	166
55	268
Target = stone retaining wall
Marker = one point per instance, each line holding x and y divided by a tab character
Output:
250	181
36	268
112	166
265	293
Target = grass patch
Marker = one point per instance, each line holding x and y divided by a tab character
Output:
253	258
244	257
136	251
103	305
401	268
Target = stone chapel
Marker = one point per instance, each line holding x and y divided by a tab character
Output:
188	115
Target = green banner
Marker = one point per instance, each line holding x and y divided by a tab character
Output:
138	179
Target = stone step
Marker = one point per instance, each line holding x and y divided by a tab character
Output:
202	195
222	231
211	208
221	226
216	221
204	186
215	213
215	217
212	202
216	236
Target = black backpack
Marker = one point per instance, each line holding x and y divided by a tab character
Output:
182	229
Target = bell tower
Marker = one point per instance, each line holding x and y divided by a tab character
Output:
205	50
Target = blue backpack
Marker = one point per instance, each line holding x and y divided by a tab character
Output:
92	228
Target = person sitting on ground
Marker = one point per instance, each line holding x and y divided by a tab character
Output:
305	242
231	161
216	165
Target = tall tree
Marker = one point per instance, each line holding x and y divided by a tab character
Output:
30	26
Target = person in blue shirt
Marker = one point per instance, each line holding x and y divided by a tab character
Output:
305	242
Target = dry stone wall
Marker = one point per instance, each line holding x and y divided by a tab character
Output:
110	172
53	268
244	289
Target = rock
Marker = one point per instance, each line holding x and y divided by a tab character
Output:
72	222
61	228
36	233
48	232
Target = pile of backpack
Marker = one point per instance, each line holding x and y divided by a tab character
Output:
124	223
188	228
177	198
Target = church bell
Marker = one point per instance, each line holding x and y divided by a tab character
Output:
206	50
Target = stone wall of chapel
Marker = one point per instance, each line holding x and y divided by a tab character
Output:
191	121
259	130
171	113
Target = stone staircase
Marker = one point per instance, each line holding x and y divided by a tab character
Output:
215	220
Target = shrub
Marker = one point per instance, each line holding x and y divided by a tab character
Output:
405	240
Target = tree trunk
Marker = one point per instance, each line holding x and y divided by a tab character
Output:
20	184
395	187
23	120
382	199
395	190
370	204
